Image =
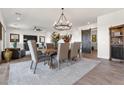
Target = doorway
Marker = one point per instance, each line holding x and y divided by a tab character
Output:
89	43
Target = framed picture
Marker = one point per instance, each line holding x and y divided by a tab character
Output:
14	37
93	38
42	39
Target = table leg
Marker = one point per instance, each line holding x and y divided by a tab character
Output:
50	63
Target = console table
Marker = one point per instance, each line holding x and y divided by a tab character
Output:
12	49
16	53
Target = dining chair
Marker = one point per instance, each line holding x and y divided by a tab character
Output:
74	50
49	46
34	55
62	53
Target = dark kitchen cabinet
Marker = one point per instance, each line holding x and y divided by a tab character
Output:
117	42
117	52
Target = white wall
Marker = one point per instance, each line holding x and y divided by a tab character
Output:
1	41
94	25
21	33
103	23
76	35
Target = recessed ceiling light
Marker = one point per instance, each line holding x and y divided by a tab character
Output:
18	18
88	23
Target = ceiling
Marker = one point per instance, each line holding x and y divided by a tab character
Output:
45	17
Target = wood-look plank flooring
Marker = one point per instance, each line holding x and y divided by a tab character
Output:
107	72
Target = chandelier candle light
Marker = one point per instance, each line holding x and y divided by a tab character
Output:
62	24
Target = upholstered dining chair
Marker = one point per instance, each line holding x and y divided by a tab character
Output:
62	53
74	50
34	54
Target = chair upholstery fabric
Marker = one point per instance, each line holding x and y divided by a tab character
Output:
74	50
63	49
33	50
34	54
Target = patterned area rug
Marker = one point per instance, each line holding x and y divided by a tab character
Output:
20	73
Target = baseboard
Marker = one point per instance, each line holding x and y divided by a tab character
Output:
104	59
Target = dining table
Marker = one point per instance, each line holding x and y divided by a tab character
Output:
49	52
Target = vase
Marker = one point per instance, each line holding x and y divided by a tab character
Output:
15	44
55	45
66	41
8	55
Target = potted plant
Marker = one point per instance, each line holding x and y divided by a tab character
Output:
67	38
55	37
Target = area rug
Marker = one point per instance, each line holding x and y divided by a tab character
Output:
20	74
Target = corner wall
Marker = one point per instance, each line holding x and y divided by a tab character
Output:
1	41
104	23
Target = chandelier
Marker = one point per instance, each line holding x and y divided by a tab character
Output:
62	24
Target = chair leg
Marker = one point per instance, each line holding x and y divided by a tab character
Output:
44	62
35	68
31	64
51	62
58	64
69	62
